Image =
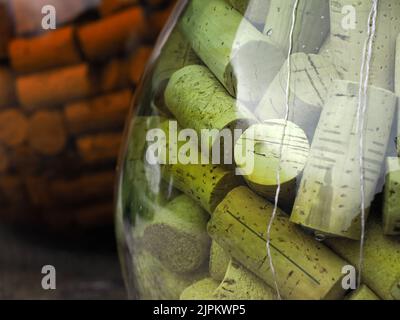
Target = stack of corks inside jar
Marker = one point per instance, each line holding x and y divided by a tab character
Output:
64	95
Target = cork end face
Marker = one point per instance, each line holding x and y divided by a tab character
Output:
248	75
229	182
324	232
180	251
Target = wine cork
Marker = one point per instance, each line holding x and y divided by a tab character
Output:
176	54
345	46
241	284
46	132
13	127
99	148
381	268
93	185
104	38
52	49
55	87
69	84
156	281
200	290
253	10
8	96
236	56
305	269
219	262
47	192
143	190
211	107
391	204
265	148
363	293
311	25
108	7
177	235
113	75
329	197
138	62
97	114
310	79
207	184
138	129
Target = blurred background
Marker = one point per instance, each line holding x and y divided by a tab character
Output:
65	93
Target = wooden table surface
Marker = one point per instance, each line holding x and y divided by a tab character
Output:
87	267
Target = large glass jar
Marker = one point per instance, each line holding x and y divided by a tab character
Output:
261	160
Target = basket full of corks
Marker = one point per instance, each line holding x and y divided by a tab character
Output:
68	71
261	159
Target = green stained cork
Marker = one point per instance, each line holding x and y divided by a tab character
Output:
176	54
310	29
238	284
207	184
391	202
310	79
259	153
177	235
348	33
201	290
156	281
305	269
232	48
142	188
364	293
329	197
219	262
198	101
253	10
241	284
381	267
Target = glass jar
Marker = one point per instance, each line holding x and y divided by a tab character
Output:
261	160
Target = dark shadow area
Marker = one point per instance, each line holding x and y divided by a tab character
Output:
87	266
